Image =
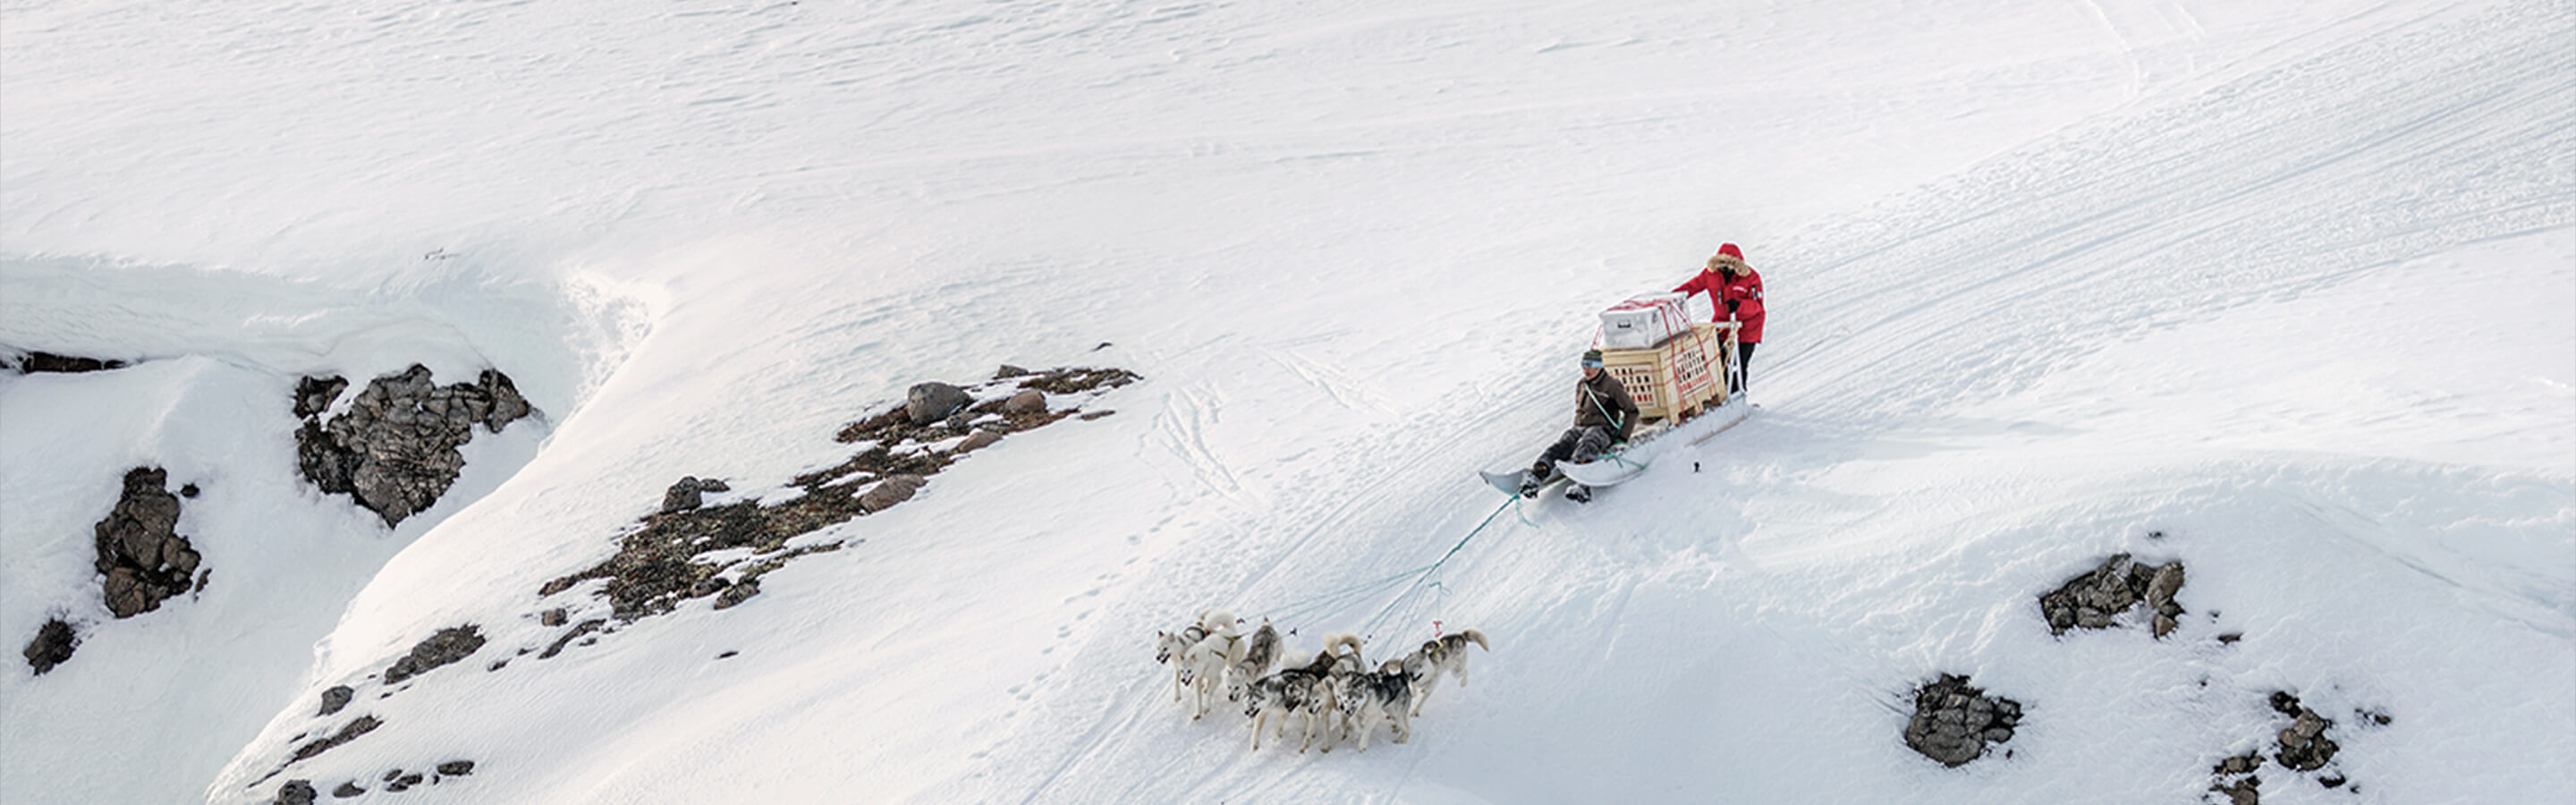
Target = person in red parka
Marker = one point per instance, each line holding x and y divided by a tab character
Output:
1734	292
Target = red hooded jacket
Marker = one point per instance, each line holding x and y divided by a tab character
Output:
1742	292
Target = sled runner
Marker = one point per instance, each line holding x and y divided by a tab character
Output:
1621	465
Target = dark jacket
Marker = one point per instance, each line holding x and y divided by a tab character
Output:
1598	399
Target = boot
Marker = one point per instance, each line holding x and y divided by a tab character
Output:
1578	493
1530	482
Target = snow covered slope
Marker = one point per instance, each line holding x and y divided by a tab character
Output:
2286	292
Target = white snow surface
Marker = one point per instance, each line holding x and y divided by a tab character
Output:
2285	291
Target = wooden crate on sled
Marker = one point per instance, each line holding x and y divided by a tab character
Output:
1679	378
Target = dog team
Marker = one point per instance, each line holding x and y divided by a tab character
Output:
1331	698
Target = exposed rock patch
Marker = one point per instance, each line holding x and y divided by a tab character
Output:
295	792
456	768
2300	746
690	493
53	645
336	697
658	565
2093	600
447	646
349	732
347	789
141	556
1954	722
395	450
2303	745
930	402
34	362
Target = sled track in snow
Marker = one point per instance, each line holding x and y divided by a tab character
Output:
2014	261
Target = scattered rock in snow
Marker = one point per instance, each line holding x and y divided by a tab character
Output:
980	439
930	402
295	792
334	698
395	450
447	646
1028	401
553	617
1008	371
583	628
2303	744
53	645
349	732
737	593
689	493
892	490
140	553
2092	600
456	768
1953	722
347	789
2242	791
34	362
658	565
403	783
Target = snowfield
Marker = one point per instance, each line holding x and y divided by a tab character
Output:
2285	292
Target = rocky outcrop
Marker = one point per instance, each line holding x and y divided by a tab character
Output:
2093	600
1954	722
295	792
53	645
349	732
34	362
336	697
658	565
2303	746
447	646
395	449
690	493
141	557
930	402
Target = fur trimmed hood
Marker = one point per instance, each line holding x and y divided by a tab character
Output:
1728	263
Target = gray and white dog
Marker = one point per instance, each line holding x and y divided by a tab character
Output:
1445	655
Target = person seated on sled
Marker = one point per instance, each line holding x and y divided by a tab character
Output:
1604	415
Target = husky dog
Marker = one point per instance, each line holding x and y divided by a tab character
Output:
1260	651
1441	656
1168	645
1385	696
1296	693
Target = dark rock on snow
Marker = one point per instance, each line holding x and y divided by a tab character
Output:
34	362
1953	722
891	491
930	402
140	553
456	768
348	732
2303	744
403	783
657	566
336	697
396	448
295	792
689	493
347	789
2241	792
2092	600
53	645
447	646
